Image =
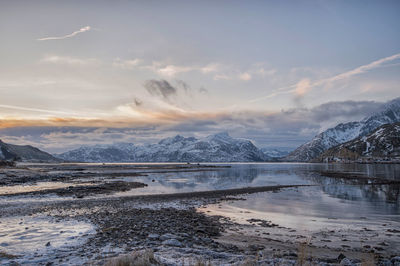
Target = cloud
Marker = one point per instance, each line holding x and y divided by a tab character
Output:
345	110
183	85
68	60
218	71
39	110
222	77
329	81
213	67
245	76
84	29
302	87
287	128
126	64
364	68
160	88
263	72
167	70
172	70
203	90
137	102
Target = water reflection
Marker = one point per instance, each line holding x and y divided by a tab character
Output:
251	175
172	180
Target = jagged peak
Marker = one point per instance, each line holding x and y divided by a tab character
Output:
220	135
391	106
176	139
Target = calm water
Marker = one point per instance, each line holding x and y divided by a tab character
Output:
385	197
381	198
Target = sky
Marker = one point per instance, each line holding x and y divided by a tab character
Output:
78	73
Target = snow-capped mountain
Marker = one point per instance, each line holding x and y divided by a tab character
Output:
274	153
382	142
24	153
389	113
215	148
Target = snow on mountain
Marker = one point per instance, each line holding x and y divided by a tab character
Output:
121	152
382	142
274	153
389	113
24	153
215	148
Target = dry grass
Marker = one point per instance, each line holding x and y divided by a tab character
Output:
194	261
368	259
201	263
249	262
303	253
146	258
137	258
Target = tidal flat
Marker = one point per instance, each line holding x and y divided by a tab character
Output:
223	214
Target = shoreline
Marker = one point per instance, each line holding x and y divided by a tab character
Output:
175	227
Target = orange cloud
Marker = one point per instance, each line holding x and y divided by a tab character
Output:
302	87
145	118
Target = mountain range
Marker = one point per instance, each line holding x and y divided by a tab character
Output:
375	135
389	113
214	148
383	142
24	153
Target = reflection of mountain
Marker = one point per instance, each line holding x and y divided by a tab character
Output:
236	177
380	196
219	179
351	190
374	194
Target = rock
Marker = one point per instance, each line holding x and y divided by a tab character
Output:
341	257
167	236
396	260
172	242
48	244
385	262
346	262
184	235
153	236
256	247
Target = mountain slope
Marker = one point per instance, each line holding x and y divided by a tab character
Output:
215	148
24	153
274	153
389	113
382	142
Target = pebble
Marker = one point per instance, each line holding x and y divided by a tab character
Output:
346	262
153	236
396	260
167	236
172	242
